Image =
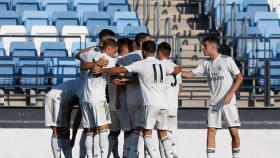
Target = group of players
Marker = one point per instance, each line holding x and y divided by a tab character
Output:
131	85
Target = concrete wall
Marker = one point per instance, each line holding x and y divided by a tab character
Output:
35	143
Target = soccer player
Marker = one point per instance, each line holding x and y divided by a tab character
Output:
103	35
95	112
152	77
219	70
58	104
174	86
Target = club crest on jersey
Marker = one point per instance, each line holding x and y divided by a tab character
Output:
219	67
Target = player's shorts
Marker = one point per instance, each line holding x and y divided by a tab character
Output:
136	114
126	124
228	112
95	114
54	112
172	123
156	117
115	121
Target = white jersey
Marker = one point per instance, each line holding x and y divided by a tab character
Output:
133	91
84	73
219	74
152	77
65	90
95	86
173	88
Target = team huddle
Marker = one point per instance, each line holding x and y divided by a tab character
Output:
132	86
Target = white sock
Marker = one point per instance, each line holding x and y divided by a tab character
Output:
89	144
56	146
172	140
83	145
126	144
113	146
210	152
104	142
66	147
235	152
150	146
96	147
167	147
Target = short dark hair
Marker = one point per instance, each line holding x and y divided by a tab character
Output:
149	46
123	42
165	48
109	42
140	37
132	46
211	39
106	32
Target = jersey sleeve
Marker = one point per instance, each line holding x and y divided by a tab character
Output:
134	67
199	70
179	78
232	67
89	56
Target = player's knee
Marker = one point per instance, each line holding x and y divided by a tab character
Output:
162	133
89	130
103	127
211	131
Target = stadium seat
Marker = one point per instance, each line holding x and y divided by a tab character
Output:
264	19
9	18
253	6
133	30
273	36
82	6
112	6
97	29
92	19
43	31
7	72
23	49
5	5
53	49
54	5
12	30
61	19
31	18
2	50
22	5
66	69
274	74
124	19
80	31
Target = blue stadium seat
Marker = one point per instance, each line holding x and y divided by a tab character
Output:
2	50
124	19
23	49
239	21
253	6
113	7
265	19
82	6
9	18
5	5
66	69
53	49
97	29
31	18
7	72
54	5
21	5
273	36
274	74
93	19
133	30
61	19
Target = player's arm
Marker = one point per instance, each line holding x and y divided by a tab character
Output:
78	55
113	70
76	124
234	88
187	74
89	65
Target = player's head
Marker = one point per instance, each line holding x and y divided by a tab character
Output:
123	46
148	48
105	34
164	50
140	38
210	45
132	46
109	47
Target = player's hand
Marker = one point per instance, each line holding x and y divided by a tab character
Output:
102	62
177	70
96	70
118	82
228	98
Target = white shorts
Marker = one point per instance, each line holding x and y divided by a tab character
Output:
115	121
228	112
172	123
125	119
156	117
54	115
136	114
95	114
